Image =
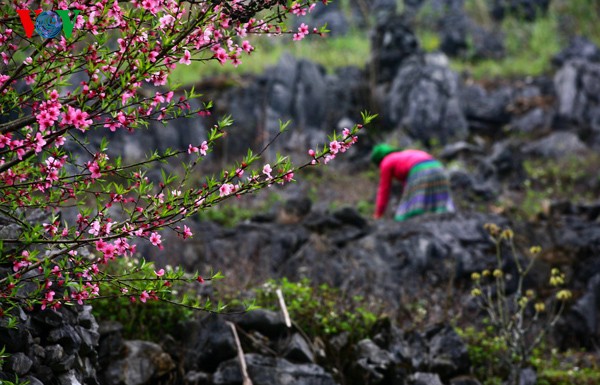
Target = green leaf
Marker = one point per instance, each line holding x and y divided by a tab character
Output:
367	117
284	125
103	145
225	121
218	275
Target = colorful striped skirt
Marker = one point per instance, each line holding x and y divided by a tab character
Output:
427	190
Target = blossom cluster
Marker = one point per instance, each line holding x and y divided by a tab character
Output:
337	146
113	74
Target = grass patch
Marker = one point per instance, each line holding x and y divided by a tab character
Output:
553	367
232	212
578	17
479	11
322	311
576	376
529	45
352	49
428	40
570	178
529	50
327	188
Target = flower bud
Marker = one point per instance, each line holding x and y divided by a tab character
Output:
523	301
492	228
564	295
557	280
475	292
535	250
475	276
498	273
540	307
507	234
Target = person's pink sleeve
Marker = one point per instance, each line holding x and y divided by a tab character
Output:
383	192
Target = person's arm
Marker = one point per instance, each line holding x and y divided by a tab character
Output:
383	192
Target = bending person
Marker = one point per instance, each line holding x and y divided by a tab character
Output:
425	185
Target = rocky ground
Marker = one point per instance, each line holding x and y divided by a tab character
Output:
520	153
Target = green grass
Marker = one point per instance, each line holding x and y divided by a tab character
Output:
529	50
428	40
529	45
478	10
321	311
576	376
553	367
567	178
579	17
233	212
356	190
350	50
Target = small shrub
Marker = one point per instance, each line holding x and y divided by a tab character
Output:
149	320
576	376
521	320
485	349
578	18
430	41
566	368
320	311
565	178
552	366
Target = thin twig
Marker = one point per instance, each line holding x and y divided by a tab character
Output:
286	315
243	369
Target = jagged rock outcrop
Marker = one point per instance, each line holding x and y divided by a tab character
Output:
577	86
297	90
423	100
385	260
459	34
48	346
392	41
344	250
579	47
415	94
556	145
142	363
392	356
